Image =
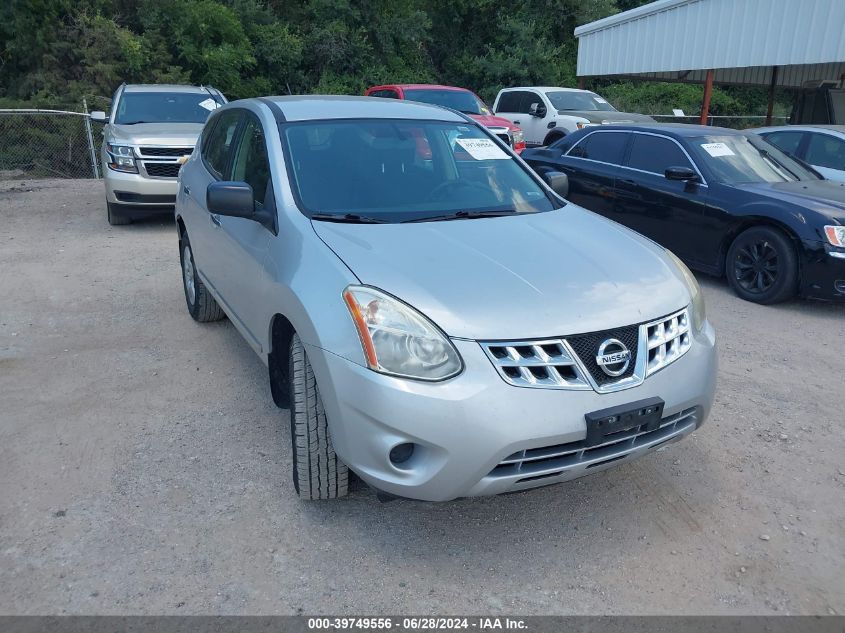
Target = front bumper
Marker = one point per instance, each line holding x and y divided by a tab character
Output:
465	427
823	272
137	189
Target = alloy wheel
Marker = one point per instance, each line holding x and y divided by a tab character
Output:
756	266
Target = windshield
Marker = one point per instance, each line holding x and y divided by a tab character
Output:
164	107
747	159
584	101
402	170
460	100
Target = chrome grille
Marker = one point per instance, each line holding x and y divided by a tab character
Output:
537	364
570	362
551	461
667	340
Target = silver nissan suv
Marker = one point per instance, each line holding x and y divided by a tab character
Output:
435	315
149	133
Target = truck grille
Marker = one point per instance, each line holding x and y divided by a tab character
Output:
166	151
570	362
551	461
506	138
162	170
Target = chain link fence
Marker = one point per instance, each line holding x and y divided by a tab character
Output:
740	122
46	143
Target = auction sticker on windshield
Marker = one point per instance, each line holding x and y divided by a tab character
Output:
717	149
482	148
208	104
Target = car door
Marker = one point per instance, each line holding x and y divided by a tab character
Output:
670	212
592	165
203	226
514	105
242	244
826	153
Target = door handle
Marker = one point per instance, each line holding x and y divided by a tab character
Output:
632	183
215	219
516	122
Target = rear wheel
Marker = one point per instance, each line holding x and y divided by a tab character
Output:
553	137
201	305
317	471
762	266
115	216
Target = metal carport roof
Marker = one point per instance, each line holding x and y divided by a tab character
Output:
740	40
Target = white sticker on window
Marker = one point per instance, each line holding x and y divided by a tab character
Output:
482	148
209	104
717	149
599	99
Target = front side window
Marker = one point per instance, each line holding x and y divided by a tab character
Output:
251	164
656	154
605	147
785	141
563	100
164	107
215	149
460	100
517	101
402	170
741	159
826	151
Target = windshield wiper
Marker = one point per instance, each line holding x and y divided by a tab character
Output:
463	215
350	218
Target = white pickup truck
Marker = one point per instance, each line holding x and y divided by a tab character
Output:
547	114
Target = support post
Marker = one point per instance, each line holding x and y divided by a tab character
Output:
581	83
95	168
705	103
770	107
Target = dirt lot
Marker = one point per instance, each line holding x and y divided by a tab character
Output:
144	468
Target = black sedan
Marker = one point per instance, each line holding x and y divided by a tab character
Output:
726	202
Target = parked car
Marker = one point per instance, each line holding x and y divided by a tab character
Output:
821	146
149	133
726	202
443	327
459	99
547	114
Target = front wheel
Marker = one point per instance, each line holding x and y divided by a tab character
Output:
318	473
115	216
201	305
762	266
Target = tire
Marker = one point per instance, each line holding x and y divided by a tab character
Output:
317	471
115	216
201	305
552	137
762	266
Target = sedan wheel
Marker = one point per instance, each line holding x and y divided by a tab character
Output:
762	266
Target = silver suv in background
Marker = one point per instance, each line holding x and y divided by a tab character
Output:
436	317
149	133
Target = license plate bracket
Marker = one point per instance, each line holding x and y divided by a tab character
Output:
604	424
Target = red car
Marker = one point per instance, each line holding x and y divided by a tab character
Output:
459	99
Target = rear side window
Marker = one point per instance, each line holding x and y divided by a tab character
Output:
785	141
385	94
656	154
826	151
606	147
216	148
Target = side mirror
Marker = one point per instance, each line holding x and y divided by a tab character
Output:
99	116
537	110
681	173
558	181
233	199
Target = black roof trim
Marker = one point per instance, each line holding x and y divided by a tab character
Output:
274	108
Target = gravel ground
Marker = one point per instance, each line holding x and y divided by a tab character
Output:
144	468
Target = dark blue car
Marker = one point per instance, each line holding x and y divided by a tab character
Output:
726	202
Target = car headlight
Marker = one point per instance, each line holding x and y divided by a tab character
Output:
835	235
398	340
121	158
699	316
518	137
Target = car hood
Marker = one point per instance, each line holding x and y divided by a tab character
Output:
490	120
825	197
515	277
174	134
597	116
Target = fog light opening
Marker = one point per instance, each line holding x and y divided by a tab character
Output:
401	453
